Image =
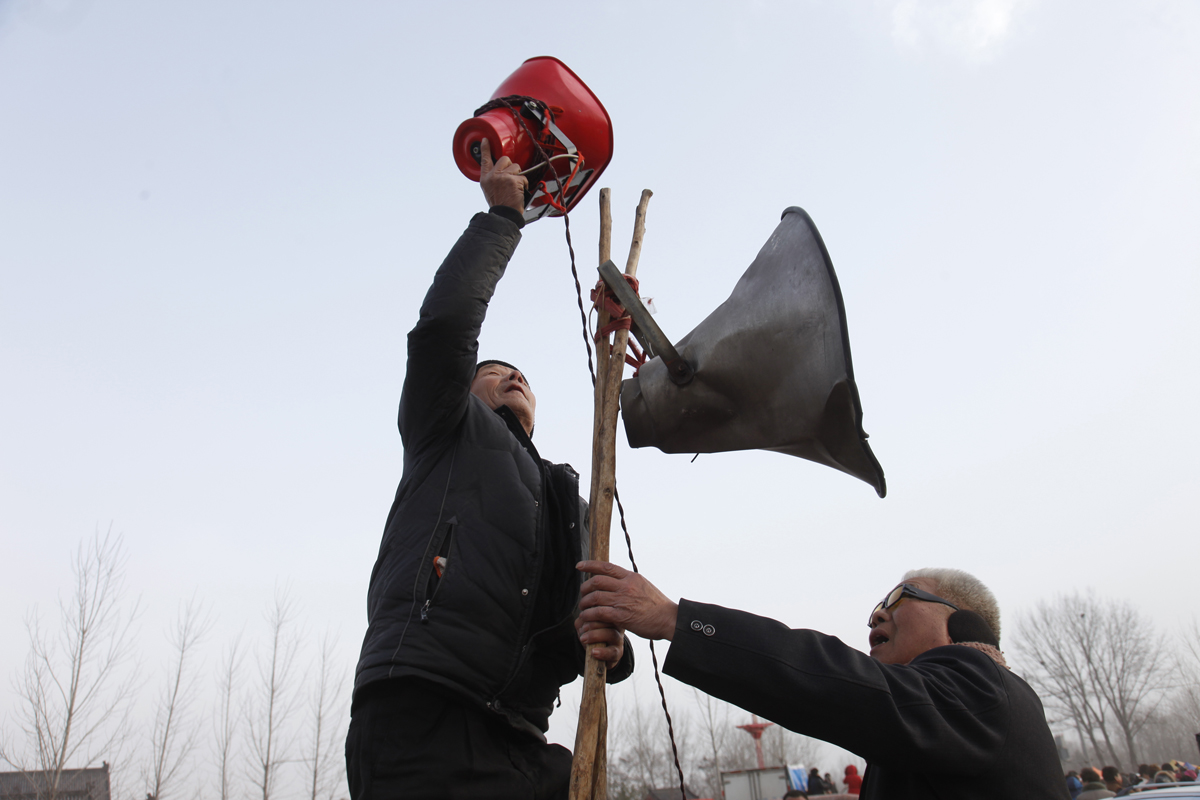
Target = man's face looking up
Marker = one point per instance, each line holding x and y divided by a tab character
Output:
498	385
910	627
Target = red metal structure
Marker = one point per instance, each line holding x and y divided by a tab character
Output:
756	729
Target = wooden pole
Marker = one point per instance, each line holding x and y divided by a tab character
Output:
589	778
589	768
602	342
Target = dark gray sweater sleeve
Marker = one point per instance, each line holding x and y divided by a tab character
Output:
443	347
947	710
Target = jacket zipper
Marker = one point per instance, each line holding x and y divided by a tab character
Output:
443	551
494	704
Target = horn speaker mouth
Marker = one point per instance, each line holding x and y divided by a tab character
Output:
772	368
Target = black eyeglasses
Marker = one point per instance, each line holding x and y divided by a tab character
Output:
899	593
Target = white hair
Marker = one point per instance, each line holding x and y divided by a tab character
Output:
965	591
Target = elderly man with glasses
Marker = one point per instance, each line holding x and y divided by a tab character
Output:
933	709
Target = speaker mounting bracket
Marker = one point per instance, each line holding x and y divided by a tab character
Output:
651	337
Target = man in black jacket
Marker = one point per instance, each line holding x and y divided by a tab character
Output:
472	599
935	715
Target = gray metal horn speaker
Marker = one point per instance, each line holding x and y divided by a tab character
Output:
771	368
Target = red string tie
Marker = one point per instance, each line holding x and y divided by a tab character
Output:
619	319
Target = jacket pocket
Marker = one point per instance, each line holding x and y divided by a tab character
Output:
435	565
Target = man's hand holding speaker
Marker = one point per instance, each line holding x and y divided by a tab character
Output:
502	182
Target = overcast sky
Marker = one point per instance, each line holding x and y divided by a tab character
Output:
218	219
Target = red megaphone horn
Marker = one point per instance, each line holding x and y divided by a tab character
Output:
548	121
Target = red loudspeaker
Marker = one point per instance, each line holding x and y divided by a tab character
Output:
543	101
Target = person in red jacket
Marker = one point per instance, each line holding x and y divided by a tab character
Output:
853	781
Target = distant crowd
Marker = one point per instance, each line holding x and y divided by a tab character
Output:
1092	784
1088	783
818	785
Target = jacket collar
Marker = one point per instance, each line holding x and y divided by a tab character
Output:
517	429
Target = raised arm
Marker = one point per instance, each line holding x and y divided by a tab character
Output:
443	347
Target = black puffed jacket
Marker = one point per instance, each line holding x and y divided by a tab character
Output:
497	626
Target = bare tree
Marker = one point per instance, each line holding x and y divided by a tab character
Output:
176	731
1100	666
709	743
1175	725
275	699
640	756
1189	671
326	706
782	747
715	731
1135	671
225	718
1061	644
78	682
